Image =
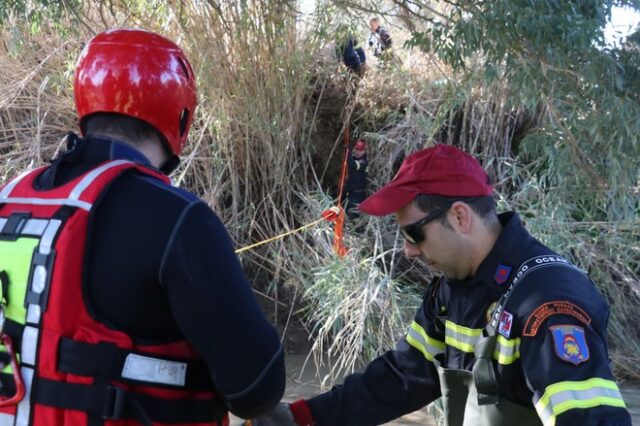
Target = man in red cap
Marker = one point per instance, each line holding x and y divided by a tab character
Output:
511	333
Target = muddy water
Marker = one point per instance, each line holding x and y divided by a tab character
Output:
303	381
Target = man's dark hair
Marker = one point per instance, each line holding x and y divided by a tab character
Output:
483	206
129	129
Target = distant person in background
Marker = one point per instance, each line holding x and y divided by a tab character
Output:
356	186
379	40
352	54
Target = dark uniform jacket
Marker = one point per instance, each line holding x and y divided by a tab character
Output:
161	267
352	54
384	37
356	185
551	353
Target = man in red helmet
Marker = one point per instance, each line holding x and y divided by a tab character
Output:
511	334
122	295
356	186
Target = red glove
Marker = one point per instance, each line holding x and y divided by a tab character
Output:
301	413
294	414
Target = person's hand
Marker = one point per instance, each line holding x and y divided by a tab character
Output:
363	68
280	416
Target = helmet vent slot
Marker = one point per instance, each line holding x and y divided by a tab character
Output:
184	119
185	70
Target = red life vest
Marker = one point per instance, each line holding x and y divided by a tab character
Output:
76	370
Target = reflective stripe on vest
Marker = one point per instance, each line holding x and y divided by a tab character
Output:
12	184
6	419
564	396
46	230
74	197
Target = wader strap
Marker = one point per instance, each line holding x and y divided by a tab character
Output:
484	375
113	403
527	267
483	370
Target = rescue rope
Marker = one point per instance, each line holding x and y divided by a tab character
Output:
277	237
333	214
338	241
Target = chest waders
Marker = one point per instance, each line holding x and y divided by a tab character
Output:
471	398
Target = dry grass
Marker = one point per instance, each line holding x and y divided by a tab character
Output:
266	150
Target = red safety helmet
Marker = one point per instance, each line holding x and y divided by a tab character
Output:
360	145
139	74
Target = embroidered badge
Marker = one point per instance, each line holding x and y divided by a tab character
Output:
502	274
570	343
506	321
489	312
548	309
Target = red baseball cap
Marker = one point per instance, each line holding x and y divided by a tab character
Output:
439	170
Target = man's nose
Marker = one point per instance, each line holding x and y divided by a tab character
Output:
411	250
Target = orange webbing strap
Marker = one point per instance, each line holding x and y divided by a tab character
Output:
338	241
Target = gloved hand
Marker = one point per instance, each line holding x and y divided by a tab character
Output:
280	416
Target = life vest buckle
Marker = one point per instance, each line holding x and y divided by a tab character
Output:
114	403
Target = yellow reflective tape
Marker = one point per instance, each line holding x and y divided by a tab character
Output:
430	340
587	403
509	345
507	351
425	344
419	346
466	347
503	341
472	332
451	340
571	386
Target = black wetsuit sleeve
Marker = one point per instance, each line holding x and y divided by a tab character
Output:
216	311
399	382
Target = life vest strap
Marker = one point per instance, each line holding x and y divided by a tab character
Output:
113	403
81	358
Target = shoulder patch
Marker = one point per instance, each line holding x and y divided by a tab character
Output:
506	322
502	274
570	343
548	309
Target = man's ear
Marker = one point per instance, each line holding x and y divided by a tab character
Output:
461	217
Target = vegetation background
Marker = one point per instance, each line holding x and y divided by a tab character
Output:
528	87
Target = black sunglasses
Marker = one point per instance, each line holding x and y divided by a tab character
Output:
413	231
